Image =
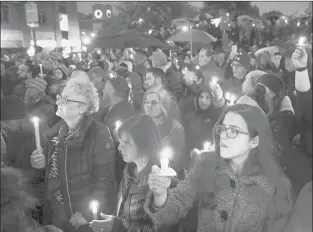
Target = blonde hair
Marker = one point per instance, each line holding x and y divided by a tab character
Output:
82	85
165	98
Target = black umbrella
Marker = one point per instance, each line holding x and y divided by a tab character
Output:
128	39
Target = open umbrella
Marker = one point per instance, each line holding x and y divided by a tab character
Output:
128	39
196	46
194	35
203	16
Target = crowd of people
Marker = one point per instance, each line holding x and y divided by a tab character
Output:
236	123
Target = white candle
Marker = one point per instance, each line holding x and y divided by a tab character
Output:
41	70
37	134
214	80
302	41
94	205
208	146
118	124
165	155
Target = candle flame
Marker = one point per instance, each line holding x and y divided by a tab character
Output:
208	146
118	123
302	40
214	80
166	153
35	120
94	205
111	75
197	67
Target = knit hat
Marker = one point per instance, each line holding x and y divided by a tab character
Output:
243	59
12	107
63	68
271	81
159	58
122	70
37	83
120	86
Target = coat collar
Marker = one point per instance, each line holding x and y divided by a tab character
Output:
85	123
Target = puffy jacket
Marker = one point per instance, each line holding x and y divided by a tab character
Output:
87	169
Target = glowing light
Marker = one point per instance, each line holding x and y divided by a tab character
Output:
86	40
35	120
216	21
302	41
306	22
131	56
109	13
118	123
166	154
253	24
83	33
197	25
227	14
94	205
111	75
227	95
185	28
140	20
150	31
286	20
214	80
93	35
208	146
298	24
31	51
197	67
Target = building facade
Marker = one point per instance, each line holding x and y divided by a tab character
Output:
55	19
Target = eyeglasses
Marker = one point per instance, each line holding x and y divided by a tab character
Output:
152	103
65	100
231	132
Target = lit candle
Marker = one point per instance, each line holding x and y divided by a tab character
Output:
37	134
165	155
118	123
166	170
197	67
40	68
214	80
208	146
302	41
111	75
94	205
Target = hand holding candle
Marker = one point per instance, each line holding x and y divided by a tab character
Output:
94	206
40	68
208	146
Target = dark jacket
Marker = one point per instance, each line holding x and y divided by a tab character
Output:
233	86
130	215
173	81
87	169
211	70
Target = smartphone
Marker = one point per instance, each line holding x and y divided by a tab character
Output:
234	48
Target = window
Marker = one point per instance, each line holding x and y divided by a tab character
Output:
5	13
42	18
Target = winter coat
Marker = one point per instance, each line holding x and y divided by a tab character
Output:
86	171
130	215
242	203
172	82
301	217
186	102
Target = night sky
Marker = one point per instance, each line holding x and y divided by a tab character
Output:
288	7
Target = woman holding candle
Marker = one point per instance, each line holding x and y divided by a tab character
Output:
160	106
79	158
209	104
139	145
239	187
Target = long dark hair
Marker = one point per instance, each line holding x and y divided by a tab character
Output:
145	134
263	156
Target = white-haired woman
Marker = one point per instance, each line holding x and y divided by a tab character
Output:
78	157
158	103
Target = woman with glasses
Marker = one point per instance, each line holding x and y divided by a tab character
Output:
78	158
158	103
139	145
239	187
